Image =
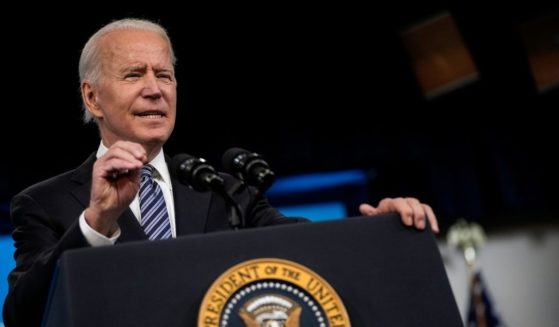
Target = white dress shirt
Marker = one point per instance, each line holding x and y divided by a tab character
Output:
161	176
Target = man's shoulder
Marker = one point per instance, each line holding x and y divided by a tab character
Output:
48	186
65	180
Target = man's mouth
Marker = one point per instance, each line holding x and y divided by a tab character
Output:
151	114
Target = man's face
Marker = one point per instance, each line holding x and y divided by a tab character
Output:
136	97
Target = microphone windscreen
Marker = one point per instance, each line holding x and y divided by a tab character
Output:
228	159
176	162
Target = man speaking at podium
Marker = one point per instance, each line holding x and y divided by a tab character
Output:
124	191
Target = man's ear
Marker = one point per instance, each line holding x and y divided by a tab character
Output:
89	96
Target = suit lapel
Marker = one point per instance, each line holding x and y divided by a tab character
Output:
82	176
129	226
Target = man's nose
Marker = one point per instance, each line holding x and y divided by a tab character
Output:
151	87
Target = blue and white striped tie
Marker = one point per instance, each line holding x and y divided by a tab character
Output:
155	218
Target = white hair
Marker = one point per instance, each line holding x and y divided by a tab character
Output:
90	61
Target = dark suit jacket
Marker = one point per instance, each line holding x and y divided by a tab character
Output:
45	217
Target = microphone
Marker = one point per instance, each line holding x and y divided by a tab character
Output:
196	173
202	177
249	167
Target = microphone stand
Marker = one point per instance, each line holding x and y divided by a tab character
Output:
236	218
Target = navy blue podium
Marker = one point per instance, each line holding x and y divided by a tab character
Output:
385	274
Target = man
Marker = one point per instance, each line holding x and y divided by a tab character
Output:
128	87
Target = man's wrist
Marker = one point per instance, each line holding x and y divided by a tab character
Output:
93	237
103	226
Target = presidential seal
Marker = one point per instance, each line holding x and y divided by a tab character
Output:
271	292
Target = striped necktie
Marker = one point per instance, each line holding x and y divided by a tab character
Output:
153	210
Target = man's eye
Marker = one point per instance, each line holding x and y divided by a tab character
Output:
165	77
132	76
